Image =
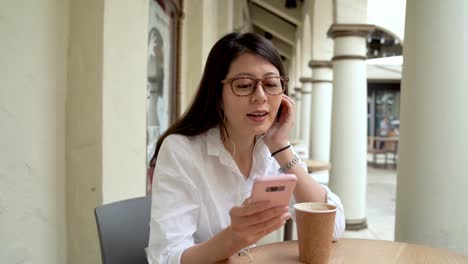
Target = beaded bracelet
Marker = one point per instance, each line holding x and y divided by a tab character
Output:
291	163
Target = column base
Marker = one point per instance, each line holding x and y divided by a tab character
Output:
355	225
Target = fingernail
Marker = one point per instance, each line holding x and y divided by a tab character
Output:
286	216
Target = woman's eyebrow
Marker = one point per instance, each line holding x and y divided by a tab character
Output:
245	74
254	76
271	74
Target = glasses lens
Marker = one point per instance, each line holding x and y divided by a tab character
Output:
243	86
273	85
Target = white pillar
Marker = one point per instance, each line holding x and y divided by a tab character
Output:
298	125
349	120
432	197
320	127
305	110
292	94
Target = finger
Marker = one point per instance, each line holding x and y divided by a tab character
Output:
243	221
253	208
290	103
270	225
247	201
287	102
287	96
269	230
287	110
268	215
289	99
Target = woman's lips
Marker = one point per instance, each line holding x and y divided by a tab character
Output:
258	116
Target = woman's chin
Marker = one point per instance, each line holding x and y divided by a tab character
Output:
261	130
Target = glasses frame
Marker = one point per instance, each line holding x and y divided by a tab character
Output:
231	80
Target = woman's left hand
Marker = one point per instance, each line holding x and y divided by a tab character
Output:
278	135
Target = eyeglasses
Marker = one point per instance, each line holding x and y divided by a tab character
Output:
245	86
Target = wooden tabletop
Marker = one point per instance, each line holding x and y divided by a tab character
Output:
385	138
316	165
351	251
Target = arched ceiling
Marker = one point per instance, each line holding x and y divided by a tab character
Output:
278	20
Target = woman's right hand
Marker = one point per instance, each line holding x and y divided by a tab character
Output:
252	221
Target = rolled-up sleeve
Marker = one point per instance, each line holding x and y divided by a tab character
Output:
340	225
332	198
174	209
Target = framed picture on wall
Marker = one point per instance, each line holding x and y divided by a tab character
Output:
162	73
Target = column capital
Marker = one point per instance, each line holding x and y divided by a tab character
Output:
298	89
320	64
350	30
322	81
349	57
305	80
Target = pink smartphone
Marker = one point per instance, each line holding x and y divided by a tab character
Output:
276	189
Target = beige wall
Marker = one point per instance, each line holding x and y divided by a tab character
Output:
322	45
124	99
84	145
106	114
84	135
205	21
33	70
350	11
191	55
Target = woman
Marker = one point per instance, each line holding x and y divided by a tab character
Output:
206	162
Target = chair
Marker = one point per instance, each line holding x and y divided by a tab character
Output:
123	229
374	148
388	149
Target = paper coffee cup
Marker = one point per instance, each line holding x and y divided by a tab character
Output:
315	223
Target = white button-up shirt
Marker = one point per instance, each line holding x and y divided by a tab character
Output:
196	183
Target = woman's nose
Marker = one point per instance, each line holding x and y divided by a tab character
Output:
259	94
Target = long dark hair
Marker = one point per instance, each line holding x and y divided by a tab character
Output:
206	110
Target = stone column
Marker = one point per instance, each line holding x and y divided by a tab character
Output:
305	110
320	126
431	206
292	94
298	126
349	120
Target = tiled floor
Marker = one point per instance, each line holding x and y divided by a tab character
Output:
381	187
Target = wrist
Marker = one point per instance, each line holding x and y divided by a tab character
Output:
220	247
284	156
233	242
281	149
290	164
275	146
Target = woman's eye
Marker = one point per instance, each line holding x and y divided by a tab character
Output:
243	86
272	84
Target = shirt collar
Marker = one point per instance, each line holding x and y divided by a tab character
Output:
215	147
261	154
213	142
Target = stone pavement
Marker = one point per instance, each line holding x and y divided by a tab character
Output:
381	198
